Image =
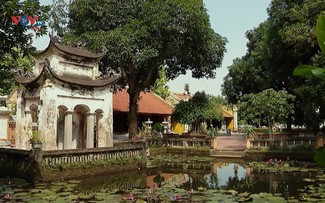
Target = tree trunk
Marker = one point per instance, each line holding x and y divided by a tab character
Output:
133	113
270	128
289	123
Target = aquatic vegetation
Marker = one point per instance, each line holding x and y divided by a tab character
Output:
176	187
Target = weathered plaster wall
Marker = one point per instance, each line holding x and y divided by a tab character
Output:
93	104
62	66
47	123
21	136
55	95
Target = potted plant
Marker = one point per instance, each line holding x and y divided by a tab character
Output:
35	140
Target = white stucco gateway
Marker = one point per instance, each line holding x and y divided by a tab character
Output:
67	100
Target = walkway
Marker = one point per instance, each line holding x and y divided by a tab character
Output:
234	142
231	146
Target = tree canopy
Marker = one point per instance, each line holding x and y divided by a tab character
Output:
278	45
273	105
198	109
140	36
15	43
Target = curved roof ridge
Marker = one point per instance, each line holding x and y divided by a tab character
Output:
82	82
75	51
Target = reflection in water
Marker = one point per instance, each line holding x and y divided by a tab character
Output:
226	172
234	176
228	176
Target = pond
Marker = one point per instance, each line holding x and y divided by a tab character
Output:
180	182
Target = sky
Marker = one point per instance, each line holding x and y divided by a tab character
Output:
230	19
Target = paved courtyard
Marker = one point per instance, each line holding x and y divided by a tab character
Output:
233	142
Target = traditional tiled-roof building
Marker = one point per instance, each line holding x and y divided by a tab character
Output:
150	107
66	100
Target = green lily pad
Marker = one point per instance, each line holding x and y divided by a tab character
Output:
86	197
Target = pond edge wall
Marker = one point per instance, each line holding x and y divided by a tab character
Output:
36	165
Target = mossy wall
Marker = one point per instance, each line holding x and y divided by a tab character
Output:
17	163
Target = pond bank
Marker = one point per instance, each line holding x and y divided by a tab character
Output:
245	155
37	165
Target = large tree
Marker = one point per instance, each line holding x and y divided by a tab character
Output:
142	35
15	41
276	106
287	38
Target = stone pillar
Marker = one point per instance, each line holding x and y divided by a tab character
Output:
235	110
214	143
90	130
4	117
169	120
68	130
248	142
165	125
28	130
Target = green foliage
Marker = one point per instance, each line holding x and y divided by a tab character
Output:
308	70
274	49
15	40
158	127
311	98
140	36
276	106
160	87
59	14
319	157
36	137
200	108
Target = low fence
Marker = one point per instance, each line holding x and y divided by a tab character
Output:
31	164
180	142
53	158
282	141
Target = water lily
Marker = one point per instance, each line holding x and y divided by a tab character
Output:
131	196
175	197
7	196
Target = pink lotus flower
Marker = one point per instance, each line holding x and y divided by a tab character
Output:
131	197
175	197
7	196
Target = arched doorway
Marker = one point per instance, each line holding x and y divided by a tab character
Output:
79	130
97	129
61	126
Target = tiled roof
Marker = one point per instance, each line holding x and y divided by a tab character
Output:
149	103
70	50
182	97
70	80
226	114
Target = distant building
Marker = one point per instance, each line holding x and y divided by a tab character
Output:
151	108
229	115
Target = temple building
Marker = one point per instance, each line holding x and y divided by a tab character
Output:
67	102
